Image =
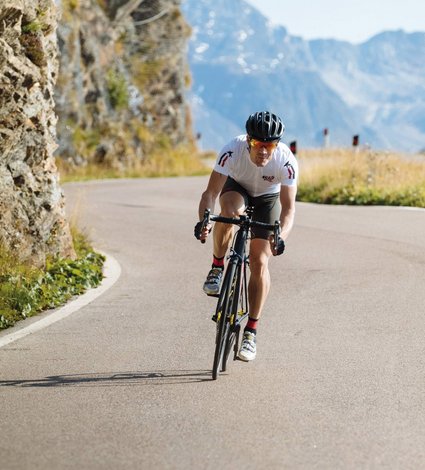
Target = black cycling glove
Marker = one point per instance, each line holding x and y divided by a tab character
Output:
197	230
280	248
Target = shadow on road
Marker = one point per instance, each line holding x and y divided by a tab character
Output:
115	379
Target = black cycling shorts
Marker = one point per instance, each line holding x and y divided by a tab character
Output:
266	207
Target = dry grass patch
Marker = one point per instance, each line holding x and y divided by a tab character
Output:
164	161
363	177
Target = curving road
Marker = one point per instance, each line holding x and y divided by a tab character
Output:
124	382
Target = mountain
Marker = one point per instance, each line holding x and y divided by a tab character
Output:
241	63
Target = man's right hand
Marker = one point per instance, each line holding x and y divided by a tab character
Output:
202	234
279	248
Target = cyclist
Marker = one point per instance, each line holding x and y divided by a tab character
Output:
255	169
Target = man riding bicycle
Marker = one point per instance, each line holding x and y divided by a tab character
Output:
256	170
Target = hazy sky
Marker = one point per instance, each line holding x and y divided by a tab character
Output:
351	20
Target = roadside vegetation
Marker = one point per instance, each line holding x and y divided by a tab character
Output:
328	176
161	160
26	291
361	177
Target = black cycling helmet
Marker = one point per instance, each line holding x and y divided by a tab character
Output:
264	126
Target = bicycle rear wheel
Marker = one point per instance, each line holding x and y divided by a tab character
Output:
222	315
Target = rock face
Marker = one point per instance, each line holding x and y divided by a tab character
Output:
117	87
123	76
32	216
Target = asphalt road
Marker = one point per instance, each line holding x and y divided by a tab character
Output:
124	383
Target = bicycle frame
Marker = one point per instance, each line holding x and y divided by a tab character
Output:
240	258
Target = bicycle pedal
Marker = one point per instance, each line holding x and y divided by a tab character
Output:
214	318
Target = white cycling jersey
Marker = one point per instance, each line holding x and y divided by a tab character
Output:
234	161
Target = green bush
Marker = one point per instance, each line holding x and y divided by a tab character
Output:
117	89
362	195
25	291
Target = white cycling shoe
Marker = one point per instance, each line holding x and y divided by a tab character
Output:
248	349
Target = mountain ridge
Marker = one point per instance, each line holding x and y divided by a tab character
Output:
240	63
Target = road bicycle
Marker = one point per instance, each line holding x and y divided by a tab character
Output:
232	304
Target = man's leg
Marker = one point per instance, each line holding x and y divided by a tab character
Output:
259	283
232	204
258	289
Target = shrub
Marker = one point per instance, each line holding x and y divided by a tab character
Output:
25	291
117	90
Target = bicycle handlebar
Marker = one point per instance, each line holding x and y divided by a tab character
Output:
240	221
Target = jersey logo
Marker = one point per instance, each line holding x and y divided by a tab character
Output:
268	178
224	157
291	171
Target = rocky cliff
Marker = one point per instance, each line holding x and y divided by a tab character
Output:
123	76
115	90
32	219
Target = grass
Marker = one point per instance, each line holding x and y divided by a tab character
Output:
180	161
364	177
26	291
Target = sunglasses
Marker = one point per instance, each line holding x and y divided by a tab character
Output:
267	145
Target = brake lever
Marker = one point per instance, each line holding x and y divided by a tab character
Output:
276	233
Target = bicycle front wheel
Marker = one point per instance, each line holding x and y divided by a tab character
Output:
232	335
222	315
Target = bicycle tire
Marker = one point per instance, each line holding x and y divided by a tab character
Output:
233	308
228	346
223	326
